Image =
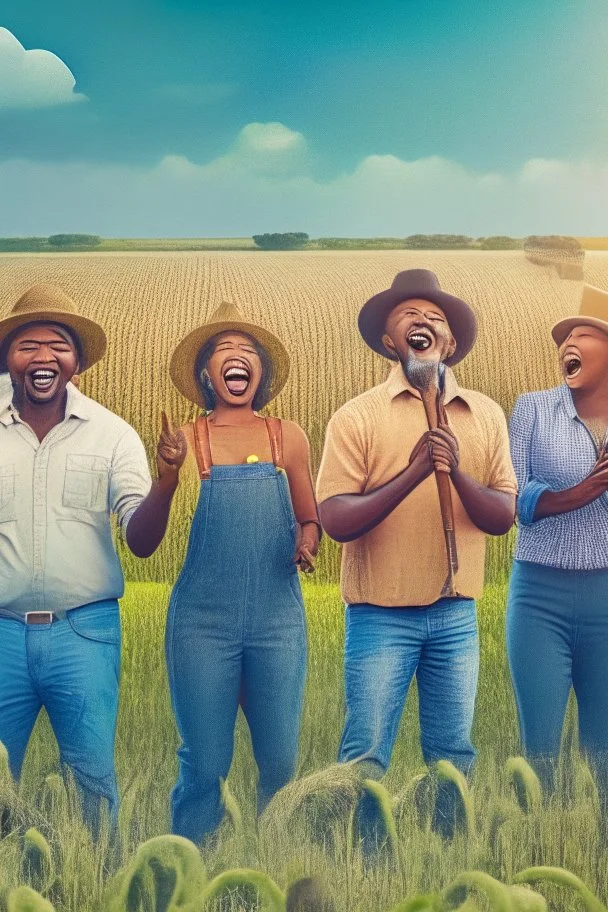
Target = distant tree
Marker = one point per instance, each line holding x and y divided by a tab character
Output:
290	240
438	242
30	244
74	240
499	242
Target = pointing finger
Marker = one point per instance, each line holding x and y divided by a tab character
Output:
167	424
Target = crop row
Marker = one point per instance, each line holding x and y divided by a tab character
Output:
169	874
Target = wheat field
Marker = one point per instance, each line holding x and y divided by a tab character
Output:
148	301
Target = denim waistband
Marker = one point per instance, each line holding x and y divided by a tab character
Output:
60	613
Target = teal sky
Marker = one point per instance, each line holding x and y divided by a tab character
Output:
480	89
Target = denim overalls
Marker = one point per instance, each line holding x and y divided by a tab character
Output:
235	633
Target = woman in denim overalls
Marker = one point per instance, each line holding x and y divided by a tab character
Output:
236	627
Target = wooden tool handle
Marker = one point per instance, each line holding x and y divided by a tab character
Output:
434	410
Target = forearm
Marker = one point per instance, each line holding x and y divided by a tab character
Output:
490	510
551	503
148	524
348	516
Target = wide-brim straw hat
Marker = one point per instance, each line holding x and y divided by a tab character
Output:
226	318
422	284
593	312
50	304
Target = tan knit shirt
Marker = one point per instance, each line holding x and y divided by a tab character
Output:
402	561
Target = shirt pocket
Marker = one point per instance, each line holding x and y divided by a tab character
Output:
85	484
8	507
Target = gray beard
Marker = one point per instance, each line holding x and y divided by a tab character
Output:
422	374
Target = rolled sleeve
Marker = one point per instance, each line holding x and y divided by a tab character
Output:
343	468
130	480
527	500
521	427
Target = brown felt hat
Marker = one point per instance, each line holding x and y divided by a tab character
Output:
422	284
50	304
227	317
593	312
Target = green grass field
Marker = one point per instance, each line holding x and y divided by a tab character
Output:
504	841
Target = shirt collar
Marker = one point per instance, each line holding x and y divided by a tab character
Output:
567	401
77	405
397	383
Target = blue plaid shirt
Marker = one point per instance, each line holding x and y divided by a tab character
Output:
552	450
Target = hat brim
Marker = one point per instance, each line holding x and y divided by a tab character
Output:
563	328
183	359
459	314
92	338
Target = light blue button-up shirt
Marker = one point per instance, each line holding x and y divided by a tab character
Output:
553	450
56	497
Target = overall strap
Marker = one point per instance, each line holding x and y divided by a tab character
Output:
275	433
202	450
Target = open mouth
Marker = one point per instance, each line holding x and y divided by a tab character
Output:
236	377
572	365
42	379
420	339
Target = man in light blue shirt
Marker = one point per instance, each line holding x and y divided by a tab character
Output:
66	464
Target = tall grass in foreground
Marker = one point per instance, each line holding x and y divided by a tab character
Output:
306	830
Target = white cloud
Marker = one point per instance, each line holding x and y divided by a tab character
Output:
264	183
33	79
265	148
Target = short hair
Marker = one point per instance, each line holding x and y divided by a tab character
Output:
68	334
262	394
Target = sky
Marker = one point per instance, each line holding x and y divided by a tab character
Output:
170	118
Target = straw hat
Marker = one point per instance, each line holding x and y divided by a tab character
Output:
593	312
50	304
422	284
227	317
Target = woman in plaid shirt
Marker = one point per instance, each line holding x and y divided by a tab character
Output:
557	616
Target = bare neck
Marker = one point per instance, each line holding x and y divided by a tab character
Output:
41	417
592	403
233	416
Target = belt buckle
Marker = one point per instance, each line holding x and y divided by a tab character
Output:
38	617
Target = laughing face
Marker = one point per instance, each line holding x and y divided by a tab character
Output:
418	328
41	360
234	369
584	357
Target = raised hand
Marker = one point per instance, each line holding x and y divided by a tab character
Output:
598	476
171	449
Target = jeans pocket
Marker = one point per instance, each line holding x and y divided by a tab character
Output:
7	493
86	482
99	622
296	589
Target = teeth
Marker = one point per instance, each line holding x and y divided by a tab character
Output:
238	373
572	366
419	340
43	375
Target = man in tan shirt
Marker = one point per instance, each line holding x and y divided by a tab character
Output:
377	493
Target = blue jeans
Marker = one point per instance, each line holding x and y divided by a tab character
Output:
557	639
384	648
71	667
236	633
